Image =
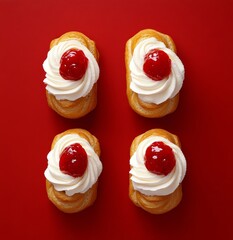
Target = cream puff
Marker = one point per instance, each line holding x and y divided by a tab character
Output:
72	72
154	74
73	170
157	169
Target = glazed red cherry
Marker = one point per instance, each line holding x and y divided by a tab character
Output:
73	160
157	65
159	158
73	64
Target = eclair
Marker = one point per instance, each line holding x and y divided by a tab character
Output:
72	72
157	169
154	74
73	170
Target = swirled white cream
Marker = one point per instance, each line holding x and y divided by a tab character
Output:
68	89
65	182
148	90
150	183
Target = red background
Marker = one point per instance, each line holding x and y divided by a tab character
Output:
202	31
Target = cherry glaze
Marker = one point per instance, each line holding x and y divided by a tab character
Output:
73	160
73	64
157	65
159	158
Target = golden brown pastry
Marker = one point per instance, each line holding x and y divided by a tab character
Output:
72	72
73	170
154	73
157	168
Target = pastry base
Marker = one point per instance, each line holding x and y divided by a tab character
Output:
74	203
155	204
74	109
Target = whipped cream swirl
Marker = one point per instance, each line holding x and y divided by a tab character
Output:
148	90
65	182
68	89
150	183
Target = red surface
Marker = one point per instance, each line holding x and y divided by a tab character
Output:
202	31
